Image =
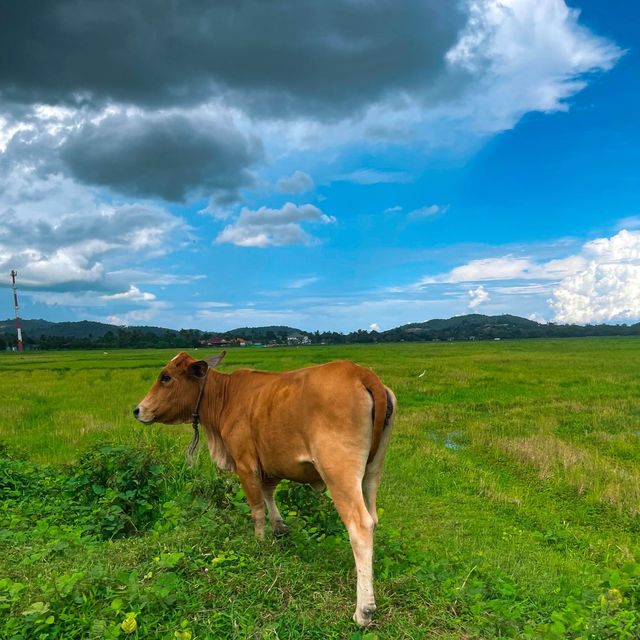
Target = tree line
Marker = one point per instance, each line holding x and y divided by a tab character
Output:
130	338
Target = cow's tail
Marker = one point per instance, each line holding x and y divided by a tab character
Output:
383	409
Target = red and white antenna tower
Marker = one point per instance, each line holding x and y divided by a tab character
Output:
15	300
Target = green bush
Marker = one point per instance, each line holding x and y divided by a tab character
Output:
118	490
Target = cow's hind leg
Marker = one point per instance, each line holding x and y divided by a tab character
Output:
347	496
373	470
278	526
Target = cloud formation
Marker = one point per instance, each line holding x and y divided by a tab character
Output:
196	108
172	157
134	295
524	55
284	56
607	288
508	267
599	283
300	283
272	227
78	243
426	212
374	176
477	297
299	182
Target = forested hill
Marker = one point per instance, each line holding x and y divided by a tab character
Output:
481	327
41	334
81	329
471	320
260	332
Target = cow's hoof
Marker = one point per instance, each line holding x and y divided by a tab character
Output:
281	530
364	617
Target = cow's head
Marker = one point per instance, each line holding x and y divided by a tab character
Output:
173	397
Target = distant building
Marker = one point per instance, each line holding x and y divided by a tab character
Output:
298	338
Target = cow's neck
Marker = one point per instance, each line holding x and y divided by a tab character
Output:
212	418
214	400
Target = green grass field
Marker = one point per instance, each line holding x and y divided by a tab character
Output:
509	506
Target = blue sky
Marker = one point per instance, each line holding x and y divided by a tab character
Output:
336	167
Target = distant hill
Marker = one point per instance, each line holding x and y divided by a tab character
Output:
471	320
476	326
42	334
82	329
253	332
470	324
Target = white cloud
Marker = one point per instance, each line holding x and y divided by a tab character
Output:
65	265
118	278
631	222
395	209
133	295
299	182
374	327
598	283
84	299
504	268
524	55
212	305
153	311
508	267
302	282
374	176
477	297
525	289
427	211
72	249
607	288
272	227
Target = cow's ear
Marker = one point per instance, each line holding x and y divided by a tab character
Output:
214	361
198	369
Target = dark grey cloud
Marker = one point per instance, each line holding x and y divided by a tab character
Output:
277	56
167	156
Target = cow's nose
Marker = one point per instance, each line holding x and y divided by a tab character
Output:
136	412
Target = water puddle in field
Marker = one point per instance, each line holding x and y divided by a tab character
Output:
450	440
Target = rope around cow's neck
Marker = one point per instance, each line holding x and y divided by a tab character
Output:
192	449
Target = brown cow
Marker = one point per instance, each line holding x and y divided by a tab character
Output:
324	425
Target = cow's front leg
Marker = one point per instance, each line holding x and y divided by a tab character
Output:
278	526
251	483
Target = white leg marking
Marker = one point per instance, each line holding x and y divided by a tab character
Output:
361	537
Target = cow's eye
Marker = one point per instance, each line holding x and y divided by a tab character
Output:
165	378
